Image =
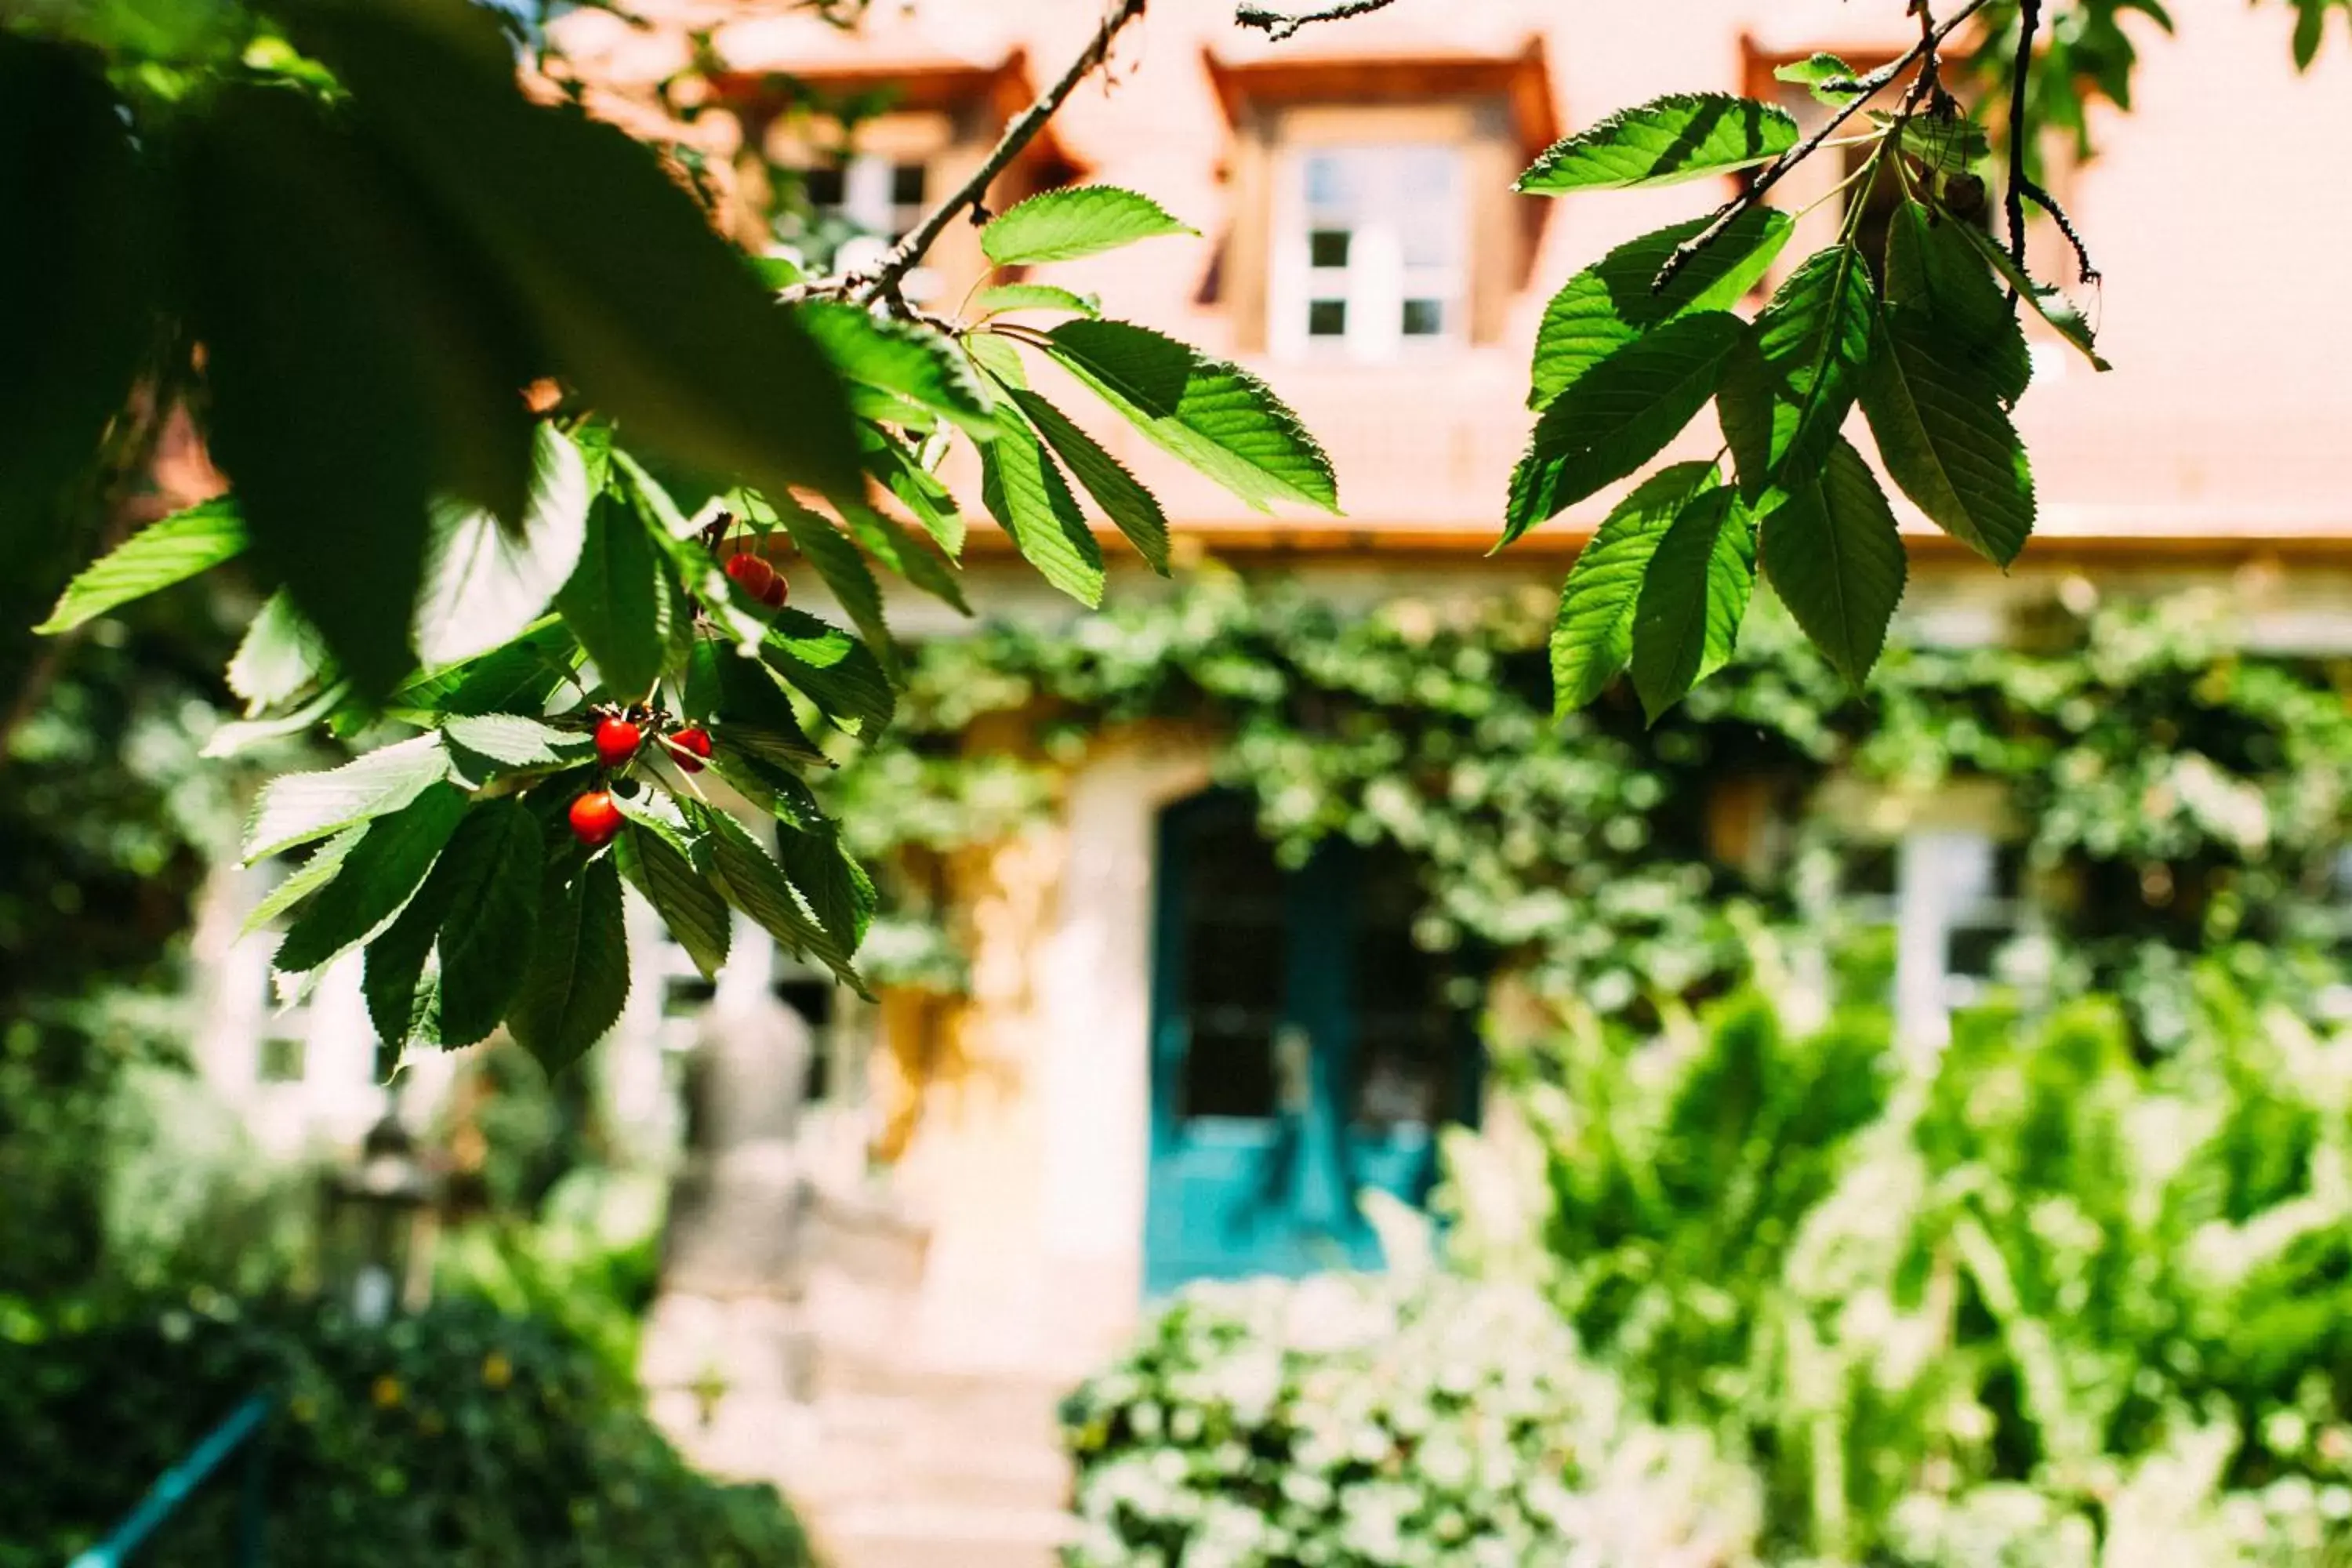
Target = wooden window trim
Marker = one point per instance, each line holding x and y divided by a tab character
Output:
1497	109
948	117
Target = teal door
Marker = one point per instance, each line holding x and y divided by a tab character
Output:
1303	1049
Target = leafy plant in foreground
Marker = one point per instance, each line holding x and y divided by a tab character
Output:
586	677
1921	338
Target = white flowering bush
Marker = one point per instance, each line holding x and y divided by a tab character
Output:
1352	1422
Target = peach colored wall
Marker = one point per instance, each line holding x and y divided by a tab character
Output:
2226	416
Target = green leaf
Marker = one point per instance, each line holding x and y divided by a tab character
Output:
1613	302
518	678
919	492
693	911
486	582
400	997
1944	438
1832	554
1135	509
169	550
1948	145
354	365
1078	220
78	281
904	360
832	669
915	559
754	883
833	886
2049	301
1619	414
1931	268
278	658
846	573
1694	597
617	602
1007	297
1830	79
578	978
493	873
1682	136
1024	490
1594	635
767	784
305	879
239	736
659	322
747	708
1792	379
298	807
375	881
484	746
1214	416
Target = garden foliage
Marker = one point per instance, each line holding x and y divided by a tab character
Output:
1587	854
1352	1422
2033	1300
455	1439
2035	1258
548	404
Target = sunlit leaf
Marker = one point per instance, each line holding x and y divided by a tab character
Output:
1682	136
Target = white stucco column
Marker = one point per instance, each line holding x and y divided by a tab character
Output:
1094	996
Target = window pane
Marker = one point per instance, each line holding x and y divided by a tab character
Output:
1410	1068
1426	174
1328	248
1332	180
284	1059
1424	318
907	184
1235	961
1326	319
825	186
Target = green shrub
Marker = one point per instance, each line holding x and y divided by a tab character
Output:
1955	1307
456	1439
1349	1422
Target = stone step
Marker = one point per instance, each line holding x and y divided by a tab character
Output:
935	1535
834	1475
882	1553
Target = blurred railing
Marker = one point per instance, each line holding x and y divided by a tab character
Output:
246	1432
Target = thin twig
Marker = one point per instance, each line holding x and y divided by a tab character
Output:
973	195
1929	87
1279	24
2029	21
2048	204
1865	88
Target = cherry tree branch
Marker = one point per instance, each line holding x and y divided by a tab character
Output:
1864	88
2029	22
1279	24
973	195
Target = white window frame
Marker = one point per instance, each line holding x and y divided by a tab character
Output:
1378	280
1946	881
868	204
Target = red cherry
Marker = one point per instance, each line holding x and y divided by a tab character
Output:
689	749
617	739
777	591
595	819
752	574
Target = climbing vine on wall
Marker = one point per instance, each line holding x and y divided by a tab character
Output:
2172	791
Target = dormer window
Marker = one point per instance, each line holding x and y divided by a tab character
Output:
871	196
857	207
1356	183
1369	261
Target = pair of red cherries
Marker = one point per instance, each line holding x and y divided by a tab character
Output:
595	815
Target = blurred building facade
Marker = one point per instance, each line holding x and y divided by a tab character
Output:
1140	1090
